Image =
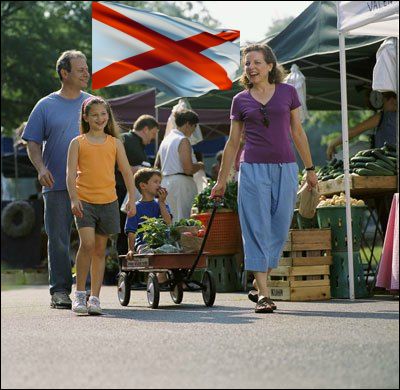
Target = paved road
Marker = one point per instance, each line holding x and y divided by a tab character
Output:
335	344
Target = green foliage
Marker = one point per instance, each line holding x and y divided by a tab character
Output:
326	139
203	202
35	33
175	234
278	25
155	232
323	126
187	222
335	117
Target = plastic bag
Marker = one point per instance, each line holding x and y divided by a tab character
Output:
384	74
308	201
297	79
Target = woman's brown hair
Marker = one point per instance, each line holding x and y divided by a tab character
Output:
111	128
277	73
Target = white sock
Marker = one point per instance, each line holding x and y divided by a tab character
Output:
260	297
77	293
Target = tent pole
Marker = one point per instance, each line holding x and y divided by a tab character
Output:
331	63
322	99
345	139
337	71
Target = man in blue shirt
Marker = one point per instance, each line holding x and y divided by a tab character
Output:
51	126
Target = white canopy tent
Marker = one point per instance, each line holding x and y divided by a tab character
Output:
378	18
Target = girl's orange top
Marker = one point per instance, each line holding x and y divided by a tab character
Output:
95	182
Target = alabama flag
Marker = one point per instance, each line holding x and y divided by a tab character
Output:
179	57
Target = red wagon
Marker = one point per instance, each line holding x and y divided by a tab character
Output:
179	268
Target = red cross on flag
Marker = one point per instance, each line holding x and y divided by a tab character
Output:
179	57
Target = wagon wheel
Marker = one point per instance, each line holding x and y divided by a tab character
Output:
177	292
209	289
124	288
153	291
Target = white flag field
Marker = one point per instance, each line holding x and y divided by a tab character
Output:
178	57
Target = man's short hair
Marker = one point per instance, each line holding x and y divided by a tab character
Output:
145	120
186	116
144	175
64	61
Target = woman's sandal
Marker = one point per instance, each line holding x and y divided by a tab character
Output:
253	296
263	306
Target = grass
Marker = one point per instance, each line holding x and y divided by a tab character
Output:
377	254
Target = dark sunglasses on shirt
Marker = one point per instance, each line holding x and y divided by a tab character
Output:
263	110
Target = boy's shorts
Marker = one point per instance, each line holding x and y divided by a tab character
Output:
104	218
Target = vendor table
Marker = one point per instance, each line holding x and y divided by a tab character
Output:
360	186
377	192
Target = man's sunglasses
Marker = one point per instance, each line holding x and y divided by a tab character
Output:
263	110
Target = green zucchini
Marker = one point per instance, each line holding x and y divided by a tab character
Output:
378	168
391	154
381	156
366	172
358	164
367	153
362	159
385	165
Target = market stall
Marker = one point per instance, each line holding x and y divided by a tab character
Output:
311	41
356	18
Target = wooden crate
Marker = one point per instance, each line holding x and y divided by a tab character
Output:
301	283
308	239
307	247
359	185
303	272
315	293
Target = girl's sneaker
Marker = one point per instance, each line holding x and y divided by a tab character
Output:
93	306
79	304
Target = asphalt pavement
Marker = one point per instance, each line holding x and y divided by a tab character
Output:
331	344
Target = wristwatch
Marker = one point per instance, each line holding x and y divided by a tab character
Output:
312	168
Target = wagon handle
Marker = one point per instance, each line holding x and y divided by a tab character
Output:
217	202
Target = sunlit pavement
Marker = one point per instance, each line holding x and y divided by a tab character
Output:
331	344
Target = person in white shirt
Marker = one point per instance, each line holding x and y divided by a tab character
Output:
178	164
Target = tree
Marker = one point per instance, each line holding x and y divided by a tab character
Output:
278	25
35	33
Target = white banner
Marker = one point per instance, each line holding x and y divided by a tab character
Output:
377	18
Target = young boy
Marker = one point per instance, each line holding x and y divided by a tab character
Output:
148	182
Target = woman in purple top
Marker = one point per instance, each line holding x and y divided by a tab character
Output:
268	111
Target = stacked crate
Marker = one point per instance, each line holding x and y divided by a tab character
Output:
303	272
223	248
334	217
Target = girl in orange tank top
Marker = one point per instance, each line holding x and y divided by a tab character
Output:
91	185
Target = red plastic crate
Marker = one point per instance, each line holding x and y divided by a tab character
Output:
225	235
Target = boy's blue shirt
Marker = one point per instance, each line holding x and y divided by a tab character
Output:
149	209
